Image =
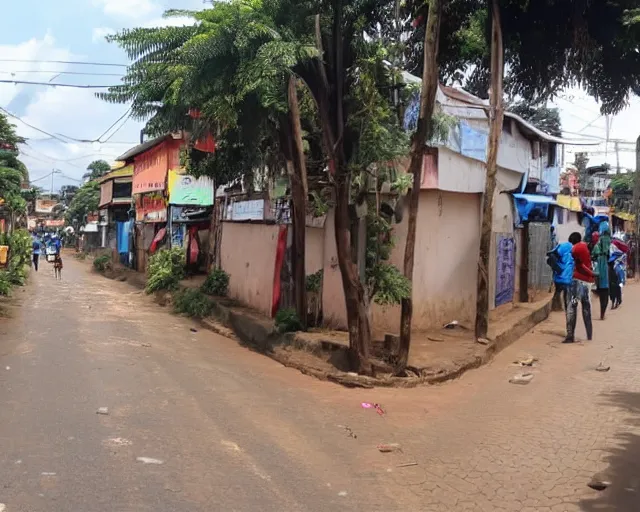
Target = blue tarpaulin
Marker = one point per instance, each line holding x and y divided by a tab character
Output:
532	207
122	236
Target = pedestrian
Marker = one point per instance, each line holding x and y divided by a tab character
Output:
561	262
601	255
583	278
36	249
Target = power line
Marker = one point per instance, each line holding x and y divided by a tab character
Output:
81	73
31	126
75	62
115	123
72	86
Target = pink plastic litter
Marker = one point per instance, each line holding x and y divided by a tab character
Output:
366	405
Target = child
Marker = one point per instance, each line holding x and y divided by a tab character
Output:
57	266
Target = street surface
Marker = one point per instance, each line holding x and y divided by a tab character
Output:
220	428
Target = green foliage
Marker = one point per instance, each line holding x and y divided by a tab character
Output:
391	285
84	202
20	246
542	117
97	169
102	263
287	320
165	270
217	283
314	281
10	187
622	184
192	302
5	283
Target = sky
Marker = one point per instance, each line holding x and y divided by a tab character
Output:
74	30
70	30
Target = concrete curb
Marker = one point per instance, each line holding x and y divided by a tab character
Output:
259	334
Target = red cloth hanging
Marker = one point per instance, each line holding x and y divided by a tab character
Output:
194	249
194	113
281	249
157	239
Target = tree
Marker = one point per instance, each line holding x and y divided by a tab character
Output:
67	193
97	169
430	81
84	202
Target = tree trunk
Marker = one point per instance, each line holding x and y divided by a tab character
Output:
524	265
213	229
495	129
636	211
354	294
299	193
420	138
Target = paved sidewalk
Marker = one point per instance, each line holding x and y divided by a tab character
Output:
483	444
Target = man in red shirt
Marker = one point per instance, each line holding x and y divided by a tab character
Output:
580	289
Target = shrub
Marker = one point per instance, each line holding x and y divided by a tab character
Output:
192	302
102	263
217	283
20	247
313	282
166	269
5	283
16	273
287	321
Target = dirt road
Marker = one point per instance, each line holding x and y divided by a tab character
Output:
197	423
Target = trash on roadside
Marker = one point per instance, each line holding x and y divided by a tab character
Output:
407	464
521	378
528	361
349	432
149	460
389	448
145	345
369	405
8	368
452	325
603	368
352	374
193	330
599	485
483	341
103	410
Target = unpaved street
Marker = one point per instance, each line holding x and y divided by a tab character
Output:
218	427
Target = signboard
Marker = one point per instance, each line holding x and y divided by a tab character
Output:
90	227
190	213
187	190
150	170
248	210
505	269
151	208
45	205
103	217
106	193
51	223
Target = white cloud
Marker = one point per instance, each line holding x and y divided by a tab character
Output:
99	33
128	9
33	49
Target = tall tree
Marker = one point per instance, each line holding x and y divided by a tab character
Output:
84	202
96	169
430	81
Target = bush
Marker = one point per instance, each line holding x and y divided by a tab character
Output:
16	273
287	321
102	263
166	269
20	247
5	283
192	302
314	282
217	283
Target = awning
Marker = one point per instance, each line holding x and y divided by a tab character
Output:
532	206
571	203
625	216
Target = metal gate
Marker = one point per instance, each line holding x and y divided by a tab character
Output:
540	274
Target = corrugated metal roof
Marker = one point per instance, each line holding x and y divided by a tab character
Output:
141	148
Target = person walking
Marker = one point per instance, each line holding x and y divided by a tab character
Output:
583	278
36	249
601	255
561	262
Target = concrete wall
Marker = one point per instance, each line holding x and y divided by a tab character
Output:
569	225
314	250
446	252
248	254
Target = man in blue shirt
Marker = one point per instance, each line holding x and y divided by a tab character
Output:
37	250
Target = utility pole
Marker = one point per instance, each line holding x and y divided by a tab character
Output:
617	148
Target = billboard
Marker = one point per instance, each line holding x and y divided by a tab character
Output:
189	191
45	205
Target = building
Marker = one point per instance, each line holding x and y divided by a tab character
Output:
115	211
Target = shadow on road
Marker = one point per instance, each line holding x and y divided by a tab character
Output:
623	473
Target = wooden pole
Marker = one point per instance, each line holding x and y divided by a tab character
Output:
420	138
495	129
636	209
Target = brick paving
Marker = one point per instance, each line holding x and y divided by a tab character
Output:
483	444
